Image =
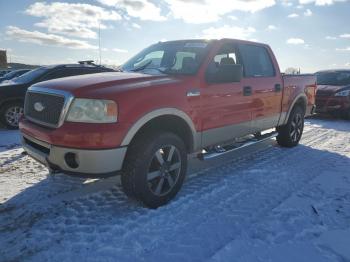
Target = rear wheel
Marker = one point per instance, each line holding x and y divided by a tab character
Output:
290	134
155	169
11	113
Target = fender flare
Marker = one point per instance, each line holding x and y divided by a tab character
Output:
161	112
296	99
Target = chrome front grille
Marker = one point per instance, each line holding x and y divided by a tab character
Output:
46	107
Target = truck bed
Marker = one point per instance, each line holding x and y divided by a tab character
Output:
294	85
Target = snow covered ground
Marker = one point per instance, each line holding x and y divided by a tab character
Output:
265	203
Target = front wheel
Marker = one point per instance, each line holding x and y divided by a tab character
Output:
290	134
155	168
11	113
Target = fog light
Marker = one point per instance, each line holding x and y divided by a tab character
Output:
71	160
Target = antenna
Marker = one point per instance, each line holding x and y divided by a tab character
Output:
99	39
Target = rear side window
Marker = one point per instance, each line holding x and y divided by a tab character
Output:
256	61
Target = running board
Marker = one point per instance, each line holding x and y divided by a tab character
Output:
219	151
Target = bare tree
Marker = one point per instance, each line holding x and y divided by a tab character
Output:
292	71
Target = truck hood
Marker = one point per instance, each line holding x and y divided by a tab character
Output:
329	89
114	81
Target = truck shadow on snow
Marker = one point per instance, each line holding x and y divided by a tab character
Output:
64	207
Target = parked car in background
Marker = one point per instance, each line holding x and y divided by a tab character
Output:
4	72
172	99
13	74
12	93
333	93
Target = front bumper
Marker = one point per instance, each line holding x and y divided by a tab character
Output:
332	104
77	161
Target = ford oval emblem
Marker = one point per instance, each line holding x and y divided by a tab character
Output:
38	106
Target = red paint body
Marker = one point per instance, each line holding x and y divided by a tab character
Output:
137	94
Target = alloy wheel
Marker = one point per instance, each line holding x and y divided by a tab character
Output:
13	114
164	170
296	127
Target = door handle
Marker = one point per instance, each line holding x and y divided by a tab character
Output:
247	91
278	88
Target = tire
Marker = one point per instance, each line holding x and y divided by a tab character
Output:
290	134
155	168
10	114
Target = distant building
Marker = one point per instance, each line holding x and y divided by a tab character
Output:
3	59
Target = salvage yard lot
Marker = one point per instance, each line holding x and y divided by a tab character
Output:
265	203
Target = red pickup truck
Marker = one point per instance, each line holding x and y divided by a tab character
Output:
198	97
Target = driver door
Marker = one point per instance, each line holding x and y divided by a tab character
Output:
226	107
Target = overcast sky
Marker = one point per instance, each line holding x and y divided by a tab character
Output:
310	34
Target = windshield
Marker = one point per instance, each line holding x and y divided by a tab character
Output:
182	57
10	75
334	78
31	75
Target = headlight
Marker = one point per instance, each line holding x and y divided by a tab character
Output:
343	93
93	111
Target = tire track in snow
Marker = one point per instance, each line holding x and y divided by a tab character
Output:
209	189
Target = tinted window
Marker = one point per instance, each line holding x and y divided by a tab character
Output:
66	72
334	78
31	75
257	61
55	74
10	75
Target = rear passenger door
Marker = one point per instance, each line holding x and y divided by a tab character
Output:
265	83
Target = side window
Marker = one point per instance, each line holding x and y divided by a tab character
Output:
53	75
227	55
225	67
181	57
257	61
65	72
80	71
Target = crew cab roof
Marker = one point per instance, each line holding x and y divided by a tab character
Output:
215	40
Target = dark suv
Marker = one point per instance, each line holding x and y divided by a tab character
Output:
12	93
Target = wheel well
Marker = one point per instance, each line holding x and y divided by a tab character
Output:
168	123
300	102
10	101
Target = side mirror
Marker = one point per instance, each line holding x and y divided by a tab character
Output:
225	74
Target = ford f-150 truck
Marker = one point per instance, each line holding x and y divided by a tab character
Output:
173	99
